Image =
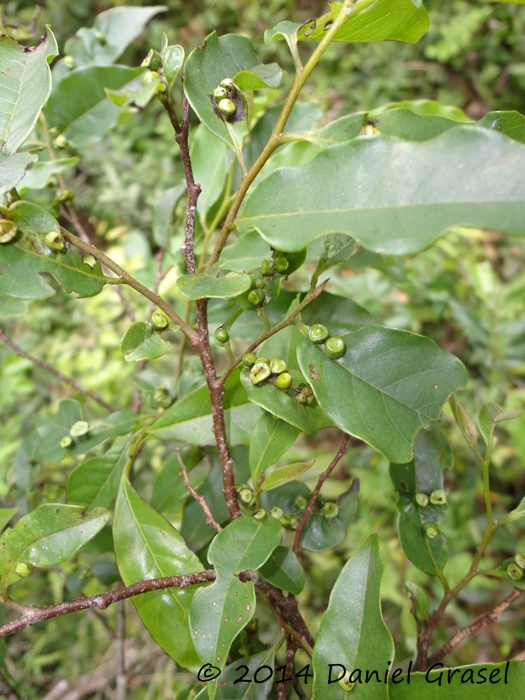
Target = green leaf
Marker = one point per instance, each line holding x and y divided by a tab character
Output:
258	690
116	424
96	481
282	475
342	129
394	196
49	535
32	219
162	224
424	474
219	58
52	428
490	416
387	386
465	422
270	439
259	77
461	683
283	570
5	516
406	124
502	570
146	547
322	533
202	286
141	342
352	631
209	159
420	599
424	108
189	420
78	106
26	87
310	419
339	314
12	169
337	250
38	176
220	611
246	254
400	20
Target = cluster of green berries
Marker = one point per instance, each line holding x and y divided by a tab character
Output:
163	67
263	369
291	520
436	498
77	430
516	569
333	347
228	100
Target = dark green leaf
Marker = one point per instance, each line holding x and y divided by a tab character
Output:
401	20
490	416
96	481
141	342
202	286
283	570
230	690
26	86
322	533
39	175
406	124
352	631
12	169
209	159
270	439
407	194
49	535
246	254
52	428
282	475
5	516
339	314
259	77
146	547
169	486
510	123
387	386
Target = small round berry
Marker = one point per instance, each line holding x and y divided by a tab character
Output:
245	495
283	381
221	335
55	241
23	570
259	373
260	514
249	359
438	497
277	366
431	531
220	93
520	560
7	230
66	441
515	572
281	264
227	107
159	321
79	429
318	333
227	83
334	348
330	510
285	520
301	502
259	282
255	297
421	499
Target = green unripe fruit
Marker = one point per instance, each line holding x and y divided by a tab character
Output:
67	195
421	499
277	366
221	336
153	60
79	429
249	359
431	531
55	241
277	512
161	397
311	401
7	230
227	107
265	270
244	650
285	520
318	333
438	497
345	683
259	373
260	514
334	348
294	523
515	572
295	260
301	502
330	510
264	360
240	487
301	398
283	381
159	321
23	570
220	93
520	560
100	36
60	141
281	264
255	297
161	87
69	61
259	282
227	83
245	495
66	441
149	76
252	504
307	391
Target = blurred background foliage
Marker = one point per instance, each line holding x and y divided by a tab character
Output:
466	293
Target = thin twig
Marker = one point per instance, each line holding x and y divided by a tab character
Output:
103	600
343	447
473	628
44	365
210	520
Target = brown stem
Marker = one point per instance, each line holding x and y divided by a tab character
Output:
210	520
67	380
473	628
343	447
33	615
289	672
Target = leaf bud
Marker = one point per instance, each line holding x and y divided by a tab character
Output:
259	373
334	348
318	333
281	264
277	512
260	514
421	499
100	36
69	61
514	571
283	381
221	336
220	93
172	60
227	107
255	297
245	495
66	441
159	321
249	359
7	230
23	570
153	60
438	497
301	502
79	429
431	531
285	520
330	510
277	366
161	397
60	141
520	560
259	282
67	195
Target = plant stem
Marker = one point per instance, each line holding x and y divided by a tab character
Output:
210	520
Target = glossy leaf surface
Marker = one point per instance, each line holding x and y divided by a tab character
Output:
229	690
322	533
387	386
146	547
47	536
202	286
510	123
5	516
394	196
39	175
141	342
352	631
95	482
283	570
282	475
271	438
